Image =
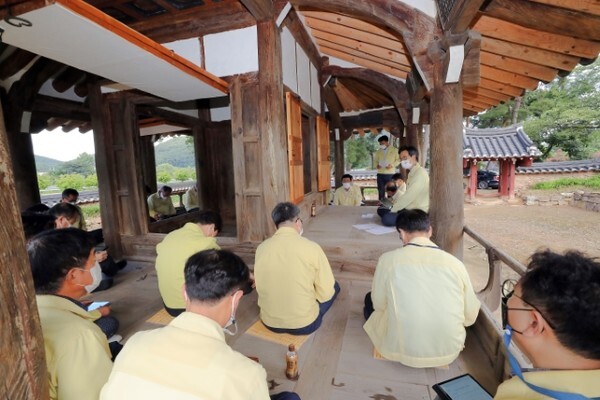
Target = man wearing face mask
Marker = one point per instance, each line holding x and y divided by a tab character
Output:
189	358
294	280
348	194
176	248
77	353
417	186
421	301
553	315
385	160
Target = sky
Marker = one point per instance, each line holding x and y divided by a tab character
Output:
63	146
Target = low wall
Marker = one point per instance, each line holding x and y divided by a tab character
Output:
587	200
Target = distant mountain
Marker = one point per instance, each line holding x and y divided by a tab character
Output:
176	152
45	164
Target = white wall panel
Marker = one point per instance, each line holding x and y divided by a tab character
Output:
315	89
288	55
303	67
231	52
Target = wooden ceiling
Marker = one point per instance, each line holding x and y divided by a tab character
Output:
523	42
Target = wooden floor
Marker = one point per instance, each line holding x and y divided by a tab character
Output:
337	361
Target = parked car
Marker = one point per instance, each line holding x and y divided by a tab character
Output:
487	179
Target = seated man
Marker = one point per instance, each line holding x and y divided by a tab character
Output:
189	358
398	180
421	301
71	196
417	186
175	249
348	194
77	354
553	315
294	281
392	194
160	205
190	199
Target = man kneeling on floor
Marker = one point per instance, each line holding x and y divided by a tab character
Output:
553	314
421	301
189	358
294	281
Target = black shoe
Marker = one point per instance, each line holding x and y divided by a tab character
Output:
121	264
104	284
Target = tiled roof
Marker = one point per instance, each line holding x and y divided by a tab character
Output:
561	166
498	143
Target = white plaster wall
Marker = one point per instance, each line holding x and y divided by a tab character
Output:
303	68
231	52
188	48
426	6
288	55
220	114
315	89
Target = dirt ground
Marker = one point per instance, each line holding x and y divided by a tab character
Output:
519	230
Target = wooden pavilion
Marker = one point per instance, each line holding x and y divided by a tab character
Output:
261	86
510	147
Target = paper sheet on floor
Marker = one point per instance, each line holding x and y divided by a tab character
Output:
381	230
364	227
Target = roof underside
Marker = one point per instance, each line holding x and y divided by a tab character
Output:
522	43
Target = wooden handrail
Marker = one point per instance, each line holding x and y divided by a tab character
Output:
490	294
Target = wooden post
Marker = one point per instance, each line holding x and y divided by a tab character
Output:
271	120
446	198
23	166
22	360
340	162
473	179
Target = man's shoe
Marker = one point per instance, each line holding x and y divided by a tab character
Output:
121	264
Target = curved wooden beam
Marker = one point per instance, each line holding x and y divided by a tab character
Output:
417	29
395	89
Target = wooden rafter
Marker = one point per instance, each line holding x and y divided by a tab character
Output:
260	9
501	87
525	68
500	75
587	6
15	62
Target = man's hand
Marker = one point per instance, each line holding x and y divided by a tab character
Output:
101	256
104	311
389	166
379	166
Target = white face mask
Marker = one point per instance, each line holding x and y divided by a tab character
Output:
406	164
96	273
346	185
231	322
382	146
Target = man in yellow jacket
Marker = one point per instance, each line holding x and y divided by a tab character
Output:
385	160
421	301
553	316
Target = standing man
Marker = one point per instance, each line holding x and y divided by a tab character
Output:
160	205
553	314
294	281
422	299
175	249
189	358
417	187
348	194
64	269
385	161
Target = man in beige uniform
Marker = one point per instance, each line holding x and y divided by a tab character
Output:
294	281
385	160
348	194
189	358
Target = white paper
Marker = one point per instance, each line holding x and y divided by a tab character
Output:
363	227
381	230
367	216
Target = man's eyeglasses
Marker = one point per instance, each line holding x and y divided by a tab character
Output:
391	188
299	219
508	290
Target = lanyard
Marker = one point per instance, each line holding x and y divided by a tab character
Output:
516	368
422	245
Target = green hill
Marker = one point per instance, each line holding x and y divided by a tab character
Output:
176	152
45	164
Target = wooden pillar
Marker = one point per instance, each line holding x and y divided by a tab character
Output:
447	198
148	163
504	183
511	179
340	162
271	121
472	190
22	360
24	169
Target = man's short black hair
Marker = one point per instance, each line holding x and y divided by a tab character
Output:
383	138
34	223
37	209
212	274
68	192
166	189
566	290
412	151
210	217
412	221
397	176
53	253
285	212
67	210
347	176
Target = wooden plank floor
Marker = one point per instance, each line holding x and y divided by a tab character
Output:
337	361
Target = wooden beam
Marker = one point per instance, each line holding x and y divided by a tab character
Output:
530	54
500	75
486	93
60	108
501	87
525	68
261	10
556	42
69	77
355	24
545	17
361	59
22	365
586	6
15	62
477	103
461	15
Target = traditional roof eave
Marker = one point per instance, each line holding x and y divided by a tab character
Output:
498	143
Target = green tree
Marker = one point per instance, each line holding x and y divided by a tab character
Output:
164	177
84	165
358	151
182	174
44	181
75	181
564	114
91	180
